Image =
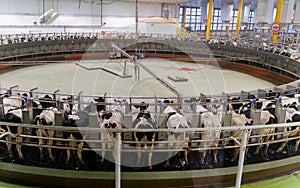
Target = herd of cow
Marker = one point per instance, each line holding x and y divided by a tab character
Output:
111	113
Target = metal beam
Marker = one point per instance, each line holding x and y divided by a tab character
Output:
209	18
238	22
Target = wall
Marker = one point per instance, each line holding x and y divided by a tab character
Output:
75	16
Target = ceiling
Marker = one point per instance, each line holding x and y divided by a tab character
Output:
146	1
219	3
191	3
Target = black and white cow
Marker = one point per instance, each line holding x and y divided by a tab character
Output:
144	139
177	121
12	112
46	118
111	119
291	116
78	119
266	118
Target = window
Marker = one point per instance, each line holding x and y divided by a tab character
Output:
251	20
234	19
192	19
216	21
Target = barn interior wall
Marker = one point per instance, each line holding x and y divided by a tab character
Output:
117	15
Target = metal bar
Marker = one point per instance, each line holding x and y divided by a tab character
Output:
118	161
241	159
238	22
278	18
209	17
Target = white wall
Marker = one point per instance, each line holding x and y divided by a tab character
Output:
115	15
157	28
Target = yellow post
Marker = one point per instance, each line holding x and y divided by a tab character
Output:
184	18
209	17
277	18
238	22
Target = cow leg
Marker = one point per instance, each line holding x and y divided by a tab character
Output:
151	152
170	138
139	149
259	140
216	153
41	142
50	143
186	152
68	154
139	153
235	154
8	143
9	146
70	144
203	156
79	153
18	143
296	145
281	147
215	156
104	138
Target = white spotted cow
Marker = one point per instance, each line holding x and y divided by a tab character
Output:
265	134
210	138
111	119
237	120
177	121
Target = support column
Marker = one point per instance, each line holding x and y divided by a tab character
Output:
209	18
287	11
245	17
238	22
226	11
278	17
226	15
264	11
297	13
297	20
204	12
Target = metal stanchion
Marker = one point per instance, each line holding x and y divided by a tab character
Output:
118	161
241	160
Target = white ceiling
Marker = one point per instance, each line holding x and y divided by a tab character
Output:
147	1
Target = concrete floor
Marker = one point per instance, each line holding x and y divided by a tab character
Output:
71	78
